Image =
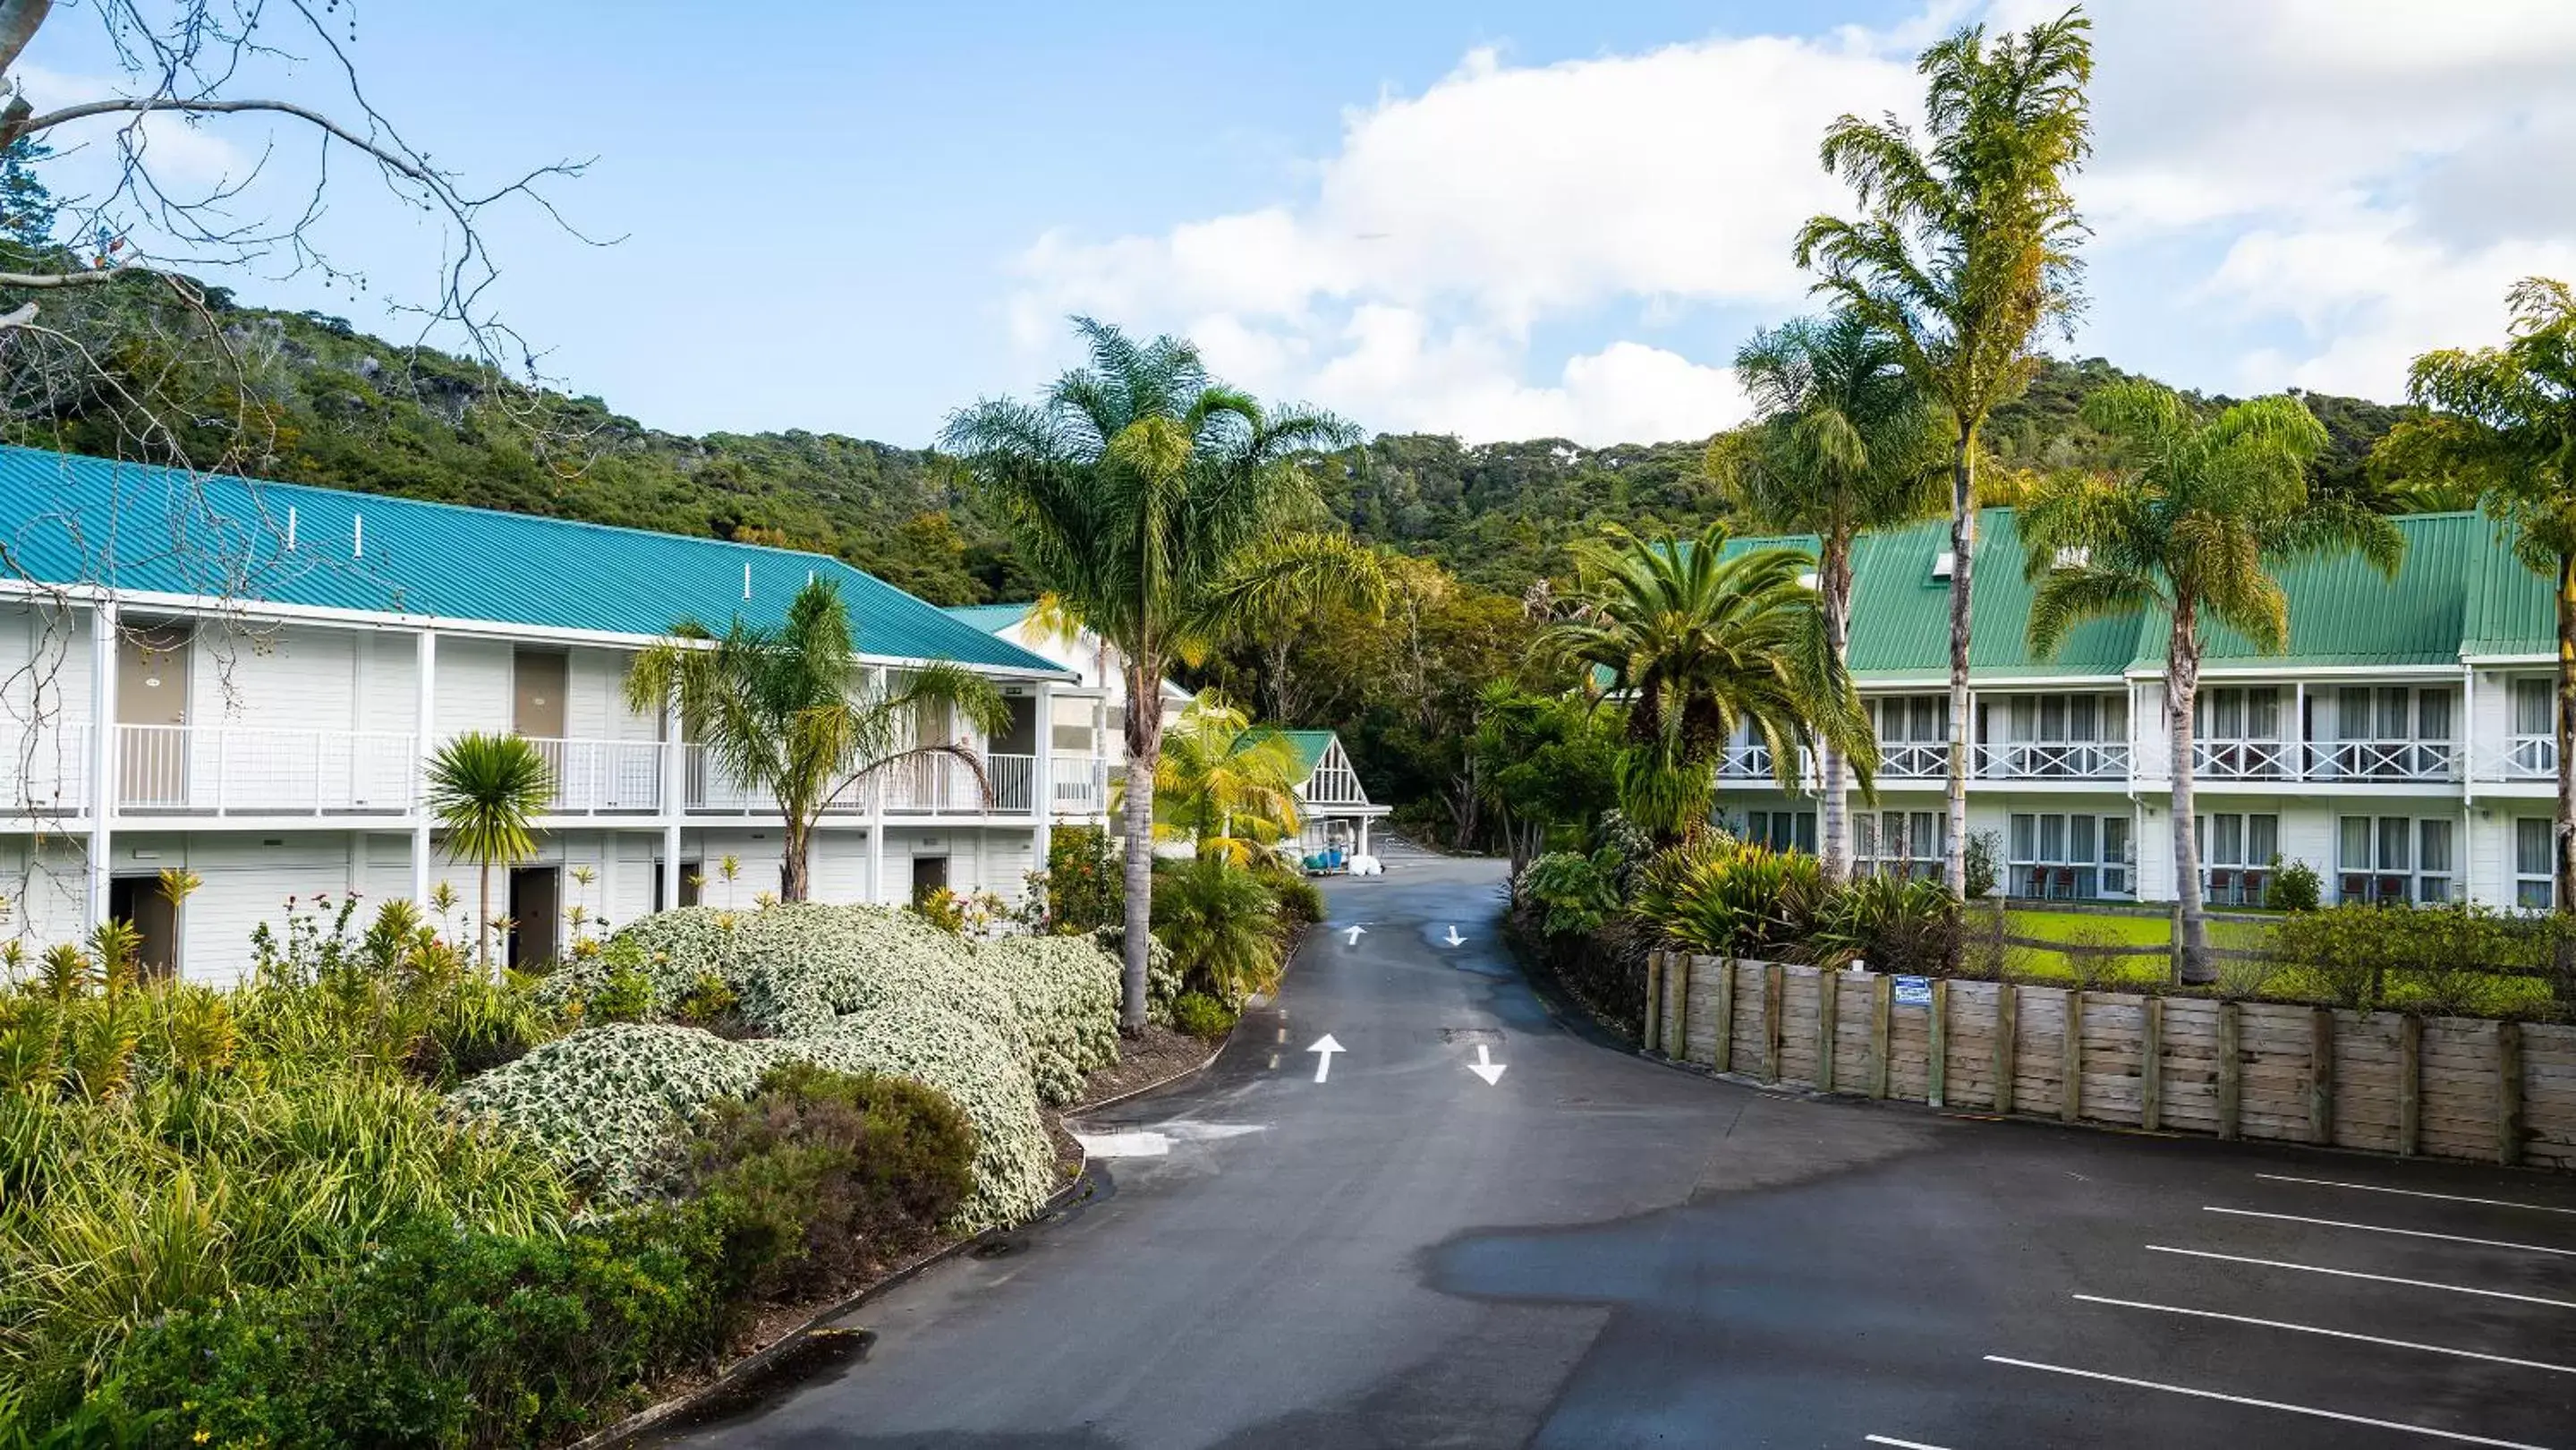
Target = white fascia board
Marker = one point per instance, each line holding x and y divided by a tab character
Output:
2287	675
2536	661
1884	685
208	607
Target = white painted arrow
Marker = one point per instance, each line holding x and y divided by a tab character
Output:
1455	939
1356	932
1485	1067
1324	1049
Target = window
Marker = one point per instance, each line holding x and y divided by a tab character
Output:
2236	854
2394	859
2535	874
2080	858
2385	732
2531	707
1782	830
2240	712
1913	734
2534	750
1900	843
2055	735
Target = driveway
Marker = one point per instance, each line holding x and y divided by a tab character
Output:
1386	1246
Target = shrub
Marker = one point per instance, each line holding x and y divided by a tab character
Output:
1065	994
1084	887
1572	894
1221	925
2424	958
1201	1015
942	908
1300	902
830	1173
1895	924
1728	898
2295	887
1985	848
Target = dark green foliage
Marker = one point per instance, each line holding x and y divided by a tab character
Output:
713	1005
1894	924
1984	849
627	995
1727	898
1300	902
1572	893
1221	924
831	1173
2294	887
445	1337
1082	889
2438	959
1202	1016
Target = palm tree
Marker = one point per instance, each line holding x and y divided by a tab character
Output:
1701	645
484	791
1163	510
2505	426
790	711
1844	443
1226	787
1965	249
2194	521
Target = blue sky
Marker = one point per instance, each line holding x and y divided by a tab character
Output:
1501	220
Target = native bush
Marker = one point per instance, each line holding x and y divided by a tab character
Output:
2295	887
1221	924
1201	1015
1728	898
1083	887
2443	958
1572	894
1894	924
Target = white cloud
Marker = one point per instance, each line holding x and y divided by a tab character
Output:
190	159
2348	181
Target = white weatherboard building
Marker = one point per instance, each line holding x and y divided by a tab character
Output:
244	680
2402	746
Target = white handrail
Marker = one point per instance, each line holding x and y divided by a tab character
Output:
240	770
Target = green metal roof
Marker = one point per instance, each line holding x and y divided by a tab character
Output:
2510	609
130	527
990	618
1310	746
2344	612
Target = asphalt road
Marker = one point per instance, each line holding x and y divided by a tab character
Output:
1598	1251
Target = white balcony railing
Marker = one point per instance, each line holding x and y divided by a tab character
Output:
47	771
707	788
1078	785
2529	757
603	777
2384	760
2054	760
1913	760
945	785
247	771
2244	759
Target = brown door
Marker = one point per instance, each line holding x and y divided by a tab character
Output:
139	900
537	706
152	696
535	900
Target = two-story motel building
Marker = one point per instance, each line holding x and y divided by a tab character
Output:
2402	745
244	680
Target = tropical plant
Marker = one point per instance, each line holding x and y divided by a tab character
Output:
1964	250
1223	786
1163	510
1845	443
788	710
1701	645
1217	919
2194	522
1892	923
1572	893
2504	425
485	792
1730	898
1544	765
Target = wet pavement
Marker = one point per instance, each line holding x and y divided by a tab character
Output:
1593	1250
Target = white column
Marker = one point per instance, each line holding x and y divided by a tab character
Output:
876	812
103	756
2299	729
1364	824
675	802
1042	791
424	738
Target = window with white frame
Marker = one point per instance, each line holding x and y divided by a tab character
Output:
2393	859
2236	852
2067	857
1782	830
2237	731
2381	732
1913	734
2535	866
1900	843
2057	735
2535	733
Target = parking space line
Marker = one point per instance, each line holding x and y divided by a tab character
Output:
2357	1274
2330	1333
2092	1374
2412	1233
2416	1193
1899	1444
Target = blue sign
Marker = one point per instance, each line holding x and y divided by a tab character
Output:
1914	991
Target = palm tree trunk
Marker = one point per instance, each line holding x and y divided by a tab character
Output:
1963	550
1836	570
1140	885
793	875
2182	695
483	924
2563	895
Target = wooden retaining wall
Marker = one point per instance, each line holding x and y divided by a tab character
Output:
2446	1087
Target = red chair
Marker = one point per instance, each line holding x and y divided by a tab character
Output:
2222	887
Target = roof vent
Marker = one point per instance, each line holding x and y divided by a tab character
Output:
1945	565
746	578
290	528
357	536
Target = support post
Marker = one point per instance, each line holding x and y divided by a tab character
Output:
1042	777
2070	1097
2007	1049
1680	1030
2231	1069
424	747
104	789
1650	1031
1828	990
1937	1070
1774	989
2151	1067
1722	1055
675	799
1882	1014
2410	1085
2508	1045
2321	1075
878	682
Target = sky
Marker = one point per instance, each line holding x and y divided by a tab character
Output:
1499	220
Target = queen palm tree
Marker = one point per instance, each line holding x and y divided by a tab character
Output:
485	792
2504	425
1844	443
2194	520
1963	252
1701	645
1165	511
1226	787
790	711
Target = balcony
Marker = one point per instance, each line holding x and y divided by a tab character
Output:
1914	760
226	770
603	777
2054	760
48	772
1078	785
944	785
2525	757
2384	760
2244	759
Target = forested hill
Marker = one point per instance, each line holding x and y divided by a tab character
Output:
332	406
